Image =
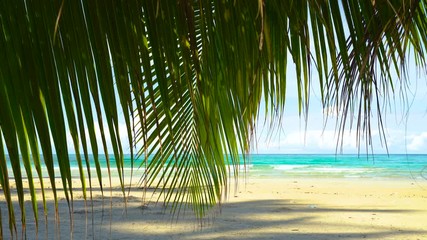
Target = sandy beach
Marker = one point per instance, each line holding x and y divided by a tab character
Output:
260	208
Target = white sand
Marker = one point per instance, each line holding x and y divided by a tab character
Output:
299	208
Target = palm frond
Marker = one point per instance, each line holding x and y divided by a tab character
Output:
187	78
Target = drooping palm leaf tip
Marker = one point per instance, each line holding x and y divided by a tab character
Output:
187	77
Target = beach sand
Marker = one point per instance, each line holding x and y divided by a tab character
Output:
260	208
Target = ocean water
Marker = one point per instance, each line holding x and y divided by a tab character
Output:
302	165
347	166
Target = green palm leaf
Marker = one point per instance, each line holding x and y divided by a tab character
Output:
187	78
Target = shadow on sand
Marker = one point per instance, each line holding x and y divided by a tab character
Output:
258	219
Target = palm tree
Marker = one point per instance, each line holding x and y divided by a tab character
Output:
189	78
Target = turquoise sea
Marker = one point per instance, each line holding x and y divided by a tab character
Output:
347	166
321	165
407	166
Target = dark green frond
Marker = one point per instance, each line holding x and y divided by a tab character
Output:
187	80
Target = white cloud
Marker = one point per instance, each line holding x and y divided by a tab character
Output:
417	142
313	141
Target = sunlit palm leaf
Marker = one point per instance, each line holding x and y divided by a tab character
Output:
188	77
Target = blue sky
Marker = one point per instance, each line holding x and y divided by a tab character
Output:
405	125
